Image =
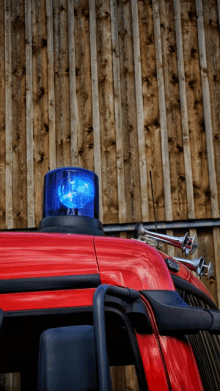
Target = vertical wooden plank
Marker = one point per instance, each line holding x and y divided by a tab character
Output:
19	178
162	110
51	94
131	378
173	115
200	176
29	116
206	249
12	382
129	116
8	117
212	38
40	103
95	101
140	112
118	113
207	110
63	137
151	109
106	107
118	377
184	113
218	1
85	142
2	116
193	232
72	81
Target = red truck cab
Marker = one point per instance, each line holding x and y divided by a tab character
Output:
75	308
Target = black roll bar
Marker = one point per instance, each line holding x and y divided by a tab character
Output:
126	294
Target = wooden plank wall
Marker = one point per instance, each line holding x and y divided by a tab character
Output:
119	87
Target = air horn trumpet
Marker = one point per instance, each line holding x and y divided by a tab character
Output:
197	265
186	243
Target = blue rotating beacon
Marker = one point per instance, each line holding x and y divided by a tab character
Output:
71	202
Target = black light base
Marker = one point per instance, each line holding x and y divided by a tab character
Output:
80	225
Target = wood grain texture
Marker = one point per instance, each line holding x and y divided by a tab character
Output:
95	102
61	67
107	118
200	174
11	381
212	39
140	112
184	113
40	103
19	186
118	113
218	4
72	84
51	93
129	114
206	249
173	114
207	110
29	116
85	139
8	117
151	109
124	378
162	110
2	116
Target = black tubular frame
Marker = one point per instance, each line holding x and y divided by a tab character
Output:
126	294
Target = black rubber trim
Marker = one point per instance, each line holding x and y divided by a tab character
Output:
50	283
180	283
47	311
137	356
174	315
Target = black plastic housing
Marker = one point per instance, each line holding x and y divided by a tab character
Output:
80	225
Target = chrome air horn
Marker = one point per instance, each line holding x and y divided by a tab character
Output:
186	243
197	265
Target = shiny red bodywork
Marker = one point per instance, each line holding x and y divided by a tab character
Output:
121	262
188	276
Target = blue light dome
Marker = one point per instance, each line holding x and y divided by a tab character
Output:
71	191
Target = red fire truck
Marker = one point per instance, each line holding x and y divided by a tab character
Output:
75	304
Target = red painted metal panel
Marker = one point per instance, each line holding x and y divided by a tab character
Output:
181	364
188	276
44	300
131	263
178	358
152	362
26	255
